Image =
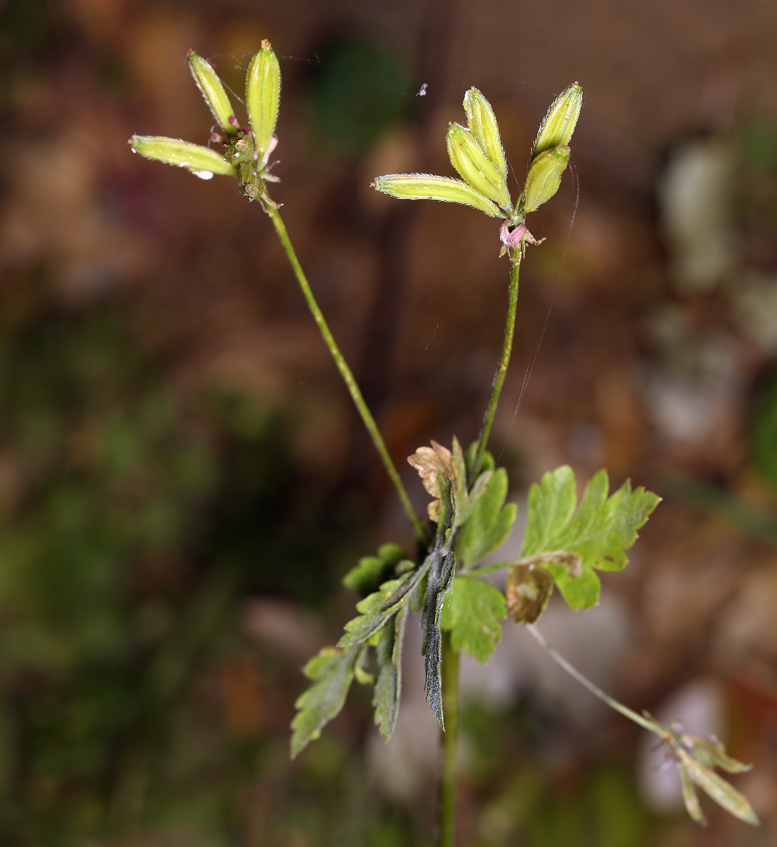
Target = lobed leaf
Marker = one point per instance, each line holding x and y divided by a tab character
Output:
599	533
489	522
472	611
372	571
381	605
332	670
388	686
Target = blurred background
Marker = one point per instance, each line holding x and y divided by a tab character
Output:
183	478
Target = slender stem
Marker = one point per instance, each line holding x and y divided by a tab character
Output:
504	358
594	689
446	811
345	371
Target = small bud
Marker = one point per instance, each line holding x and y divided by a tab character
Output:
544	177
263	97
213	91
483	126
514	238
429	187
558	125
474	166
199	160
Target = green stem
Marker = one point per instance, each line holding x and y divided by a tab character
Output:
446	812
345	371
594	689
504	359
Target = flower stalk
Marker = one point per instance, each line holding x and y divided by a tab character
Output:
504	359
694	757
449	738
345	371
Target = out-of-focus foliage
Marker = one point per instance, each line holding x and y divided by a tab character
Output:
357	92
133	519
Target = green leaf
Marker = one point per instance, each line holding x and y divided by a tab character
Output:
380	606
472	611
600	533
489	522
551	506
372	571
438	581
580	592
332	670
362	672
388	687
486	462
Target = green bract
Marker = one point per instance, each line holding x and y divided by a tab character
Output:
482	124
474	166
263	97
213	91
544	177
429	187
559	123
201	161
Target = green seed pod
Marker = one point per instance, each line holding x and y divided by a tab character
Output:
213	91
717	788
712	754
428	187
544	177
263	97
483	126
474	166
201	161
690	798
558	125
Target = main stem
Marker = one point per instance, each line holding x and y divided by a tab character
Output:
446	810
345	371
504	358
